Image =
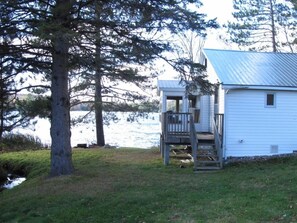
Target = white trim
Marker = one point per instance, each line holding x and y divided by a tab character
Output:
241	87
225	126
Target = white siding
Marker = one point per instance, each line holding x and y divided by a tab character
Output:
211	113
221	101
251	128
203	126
219	108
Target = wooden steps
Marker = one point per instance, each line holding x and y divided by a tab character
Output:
207	156
179	129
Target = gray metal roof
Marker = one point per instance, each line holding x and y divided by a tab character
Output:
254	68
170	84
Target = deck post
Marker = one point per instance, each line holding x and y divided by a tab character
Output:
162	145
194	141
166	153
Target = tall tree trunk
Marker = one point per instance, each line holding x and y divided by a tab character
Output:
2	104
98	81
273	29
99	111
61	154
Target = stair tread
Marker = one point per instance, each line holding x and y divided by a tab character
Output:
207	168
208	162
207	149
203	156
206	143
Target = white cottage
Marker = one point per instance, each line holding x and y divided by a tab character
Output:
257	96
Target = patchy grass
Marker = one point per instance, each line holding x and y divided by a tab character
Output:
132	185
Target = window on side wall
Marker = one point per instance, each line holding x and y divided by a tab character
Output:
270	100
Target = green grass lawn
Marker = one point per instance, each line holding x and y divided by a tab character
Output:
132	185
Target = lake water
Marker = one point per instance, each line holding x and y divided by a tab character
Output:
142	134
12	181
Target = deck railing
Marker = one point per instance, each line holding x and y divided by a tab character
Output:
175	123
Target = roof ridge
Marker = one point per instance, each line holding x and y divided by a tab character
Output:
245	51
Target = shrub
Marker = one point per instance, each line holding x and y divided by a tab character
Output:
17	142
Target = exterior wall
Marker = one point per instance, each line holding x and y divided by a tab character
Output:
204	126
219	107
252	128
211	74
221	101
211	113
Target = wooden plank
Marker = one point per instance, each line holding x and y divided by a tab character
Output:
162	145
209	162
205	136
166	154
199	169
194	141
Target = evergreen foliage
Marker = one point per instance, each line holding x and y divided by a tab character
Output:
16	62
97	44
264	25
122	35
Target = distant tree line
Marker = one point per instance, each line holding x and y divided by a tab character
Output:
145	106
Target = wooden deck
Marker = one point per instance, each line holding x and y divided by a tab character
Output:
179	129
200	136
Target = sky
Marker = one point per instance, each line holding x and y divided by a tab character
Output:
220	9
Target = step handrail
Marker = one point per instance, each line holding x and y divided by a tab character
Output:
194	141
218	143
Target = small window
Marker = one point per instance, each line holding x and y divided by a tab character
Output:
270	100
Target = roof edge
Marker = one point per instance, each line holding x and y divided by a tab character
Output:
246	51
257	87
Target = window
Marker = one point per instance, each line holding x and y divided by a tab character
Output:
270	100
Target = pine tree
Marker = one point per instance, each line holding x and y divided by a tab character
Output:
13	112
39	34
264	25
126	35
99	43
61	155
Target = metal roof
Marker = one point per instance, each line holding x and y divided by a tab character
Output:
170	84
249	68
